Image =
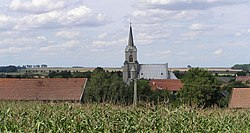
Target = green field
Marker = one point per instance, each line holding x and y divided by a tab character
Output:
64	117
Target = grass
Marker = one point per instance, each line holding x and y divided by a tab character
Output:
65	117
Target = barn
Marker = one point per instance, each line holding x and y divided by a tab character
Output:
47	89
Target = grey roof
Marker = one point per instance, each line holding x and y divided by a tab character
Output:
172	76
155	71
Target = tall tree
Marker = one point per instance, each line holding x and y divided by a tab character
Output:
106	87
200	88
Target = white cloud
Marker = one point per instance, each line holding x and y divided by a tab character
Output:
22	42
71	44
78	16
248	30
5	21
243	32
37	5
35	21
42	38
197	26
78	13
218	52
187	4
139	13
103	35
103	44
99	44
238	34
68	34
66	47
191	35
14	50
183	53
160	54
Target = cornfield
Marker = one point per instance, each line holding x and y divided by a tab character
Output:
67	117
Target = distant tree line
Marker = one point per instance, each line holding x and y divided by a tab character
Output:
8	69
244	67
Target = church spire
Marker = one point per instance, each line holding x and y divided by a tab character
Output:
130	39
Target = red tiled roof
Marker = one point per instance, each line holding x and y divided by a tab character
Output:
42	89
167	84
242	78
240	98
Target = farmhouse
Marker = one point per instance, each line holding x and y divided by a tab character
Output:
240	98
48	89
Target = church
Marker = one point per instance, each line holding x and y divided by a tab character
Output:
133	70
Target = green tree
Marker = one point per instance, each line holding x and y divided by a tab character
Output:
200	88
106	87
143	90
160	96
234	84
146	94
95	86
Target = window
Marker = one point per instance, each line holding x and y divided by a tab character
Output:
130	58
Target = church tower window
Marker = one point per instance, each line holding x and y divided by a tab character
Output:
130	58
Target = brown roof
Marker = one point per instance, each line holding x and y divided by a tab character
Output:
242	78
240	98
42	89
167	84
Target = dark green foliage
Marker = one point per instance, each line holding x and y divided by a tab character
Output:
200	88
119	73
161	96
68	74
85	74
143	90
8	69
106	87
62	74
146	94
234	84
241	73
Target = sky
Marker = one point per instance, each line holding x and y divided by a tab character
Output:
91	33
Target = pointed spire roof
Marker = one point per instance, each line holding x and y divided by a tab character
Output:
130	39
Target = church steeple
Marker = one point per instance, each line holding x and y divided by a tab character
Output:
130	39
131	65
